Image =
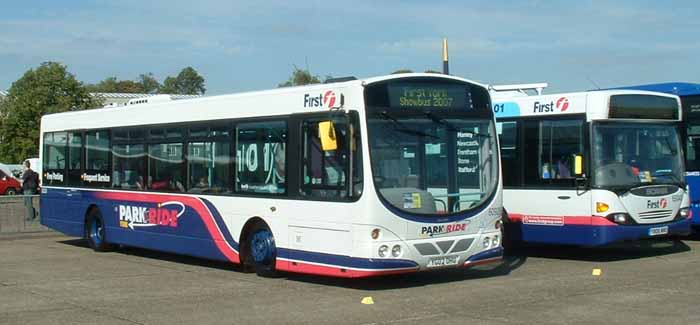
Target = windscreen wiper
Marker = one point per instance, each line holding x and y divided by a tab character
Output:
400	127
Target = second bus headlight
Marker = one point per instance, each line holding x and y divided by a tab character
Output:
487	242
396	251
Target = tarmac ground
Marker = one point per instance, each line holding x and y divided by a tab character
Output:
47	278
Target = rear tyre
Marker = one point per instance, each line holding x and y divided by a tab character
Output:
95	231
11	191
262	251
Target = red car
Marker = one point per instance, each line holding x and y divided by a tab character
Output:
8	184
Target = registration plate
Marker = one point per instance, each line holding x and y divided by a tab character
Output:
443	261
658	231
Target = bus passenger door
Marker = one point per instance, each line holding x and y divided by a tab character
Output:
542	195
328	160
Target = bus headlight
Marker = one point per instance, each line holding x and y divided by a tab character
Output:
487	242
396	251
621	218
383	250
683	213
494	241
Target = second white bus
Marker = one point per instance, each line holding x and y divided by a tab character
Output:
591	168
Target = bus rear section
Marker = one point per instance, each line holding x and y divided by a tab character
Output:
592	168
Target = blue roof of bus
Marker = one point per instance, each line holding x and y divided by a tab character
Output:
676	88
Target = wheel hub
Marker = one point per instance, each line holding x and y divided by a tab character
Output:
262	246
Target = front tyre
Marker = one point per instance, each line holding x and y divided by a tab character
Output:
263	251
95	231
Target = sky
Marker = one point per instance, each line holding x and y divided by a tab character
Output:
240	46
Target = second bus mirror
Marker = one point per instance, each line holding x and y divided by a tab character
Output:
578	165
326	133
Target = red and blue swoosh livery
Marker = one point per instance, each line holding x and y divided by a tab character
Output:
200	231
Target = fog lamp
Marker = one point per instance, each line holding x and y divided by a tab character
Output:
601	207
383	250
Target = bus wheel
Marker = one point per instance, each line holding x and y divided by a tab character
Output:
11	191
263	252
95	231
506	241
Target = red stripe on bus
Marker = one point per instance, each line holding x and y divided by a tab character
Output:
191	202
565	220
335	271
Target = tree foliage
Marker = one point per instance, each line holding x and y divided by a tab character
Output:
112	85
187	82
48	89
402	71
149	83
301	77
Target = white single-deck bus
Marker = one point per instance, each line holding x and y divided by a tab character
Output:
591	168
351	179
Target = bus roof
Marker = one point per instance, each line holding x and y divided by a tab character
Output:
594	103
280	101
676	88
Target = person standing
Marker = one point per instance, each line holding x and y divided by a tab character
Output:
30	183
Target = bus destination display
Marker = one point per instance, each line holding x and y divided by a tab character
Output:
427	96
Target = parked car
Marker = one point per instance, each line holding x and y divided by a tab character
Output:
16	170
9	185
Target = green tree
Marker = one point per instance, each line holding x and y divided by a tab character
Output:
149	83
48	89
301	77
146	83
113	85
187	82
402	71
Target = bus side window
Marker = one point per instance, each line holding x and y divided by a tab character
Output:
261	157
508	135
550	149
54	165
324	172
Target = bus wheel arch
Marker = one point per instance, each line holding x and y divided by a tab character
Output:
506	232
95	229
258	250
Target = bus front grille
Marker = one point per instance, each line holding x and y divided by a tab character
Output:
659	214
443	247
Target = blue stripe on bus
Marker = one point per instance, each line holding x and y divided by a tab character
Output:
346	261
222	225
491	253
590	235
694	185
506	109
195	242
